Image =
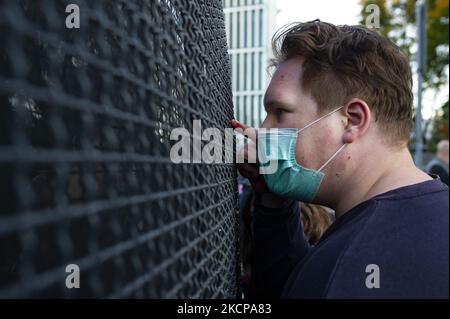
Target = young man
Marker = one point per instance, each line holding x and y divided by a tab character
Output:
348	92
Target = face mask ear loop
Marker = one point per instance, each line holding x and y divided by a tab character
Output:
332	156
320	118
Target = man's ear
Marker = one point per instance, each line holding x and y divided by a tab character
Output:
358	118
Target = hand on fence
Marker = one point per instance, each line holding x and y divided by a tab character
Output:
250	168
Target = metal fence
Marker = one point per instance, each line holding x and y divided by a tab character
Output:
85	174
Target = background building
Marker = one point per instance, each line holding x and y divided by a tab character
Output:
250	25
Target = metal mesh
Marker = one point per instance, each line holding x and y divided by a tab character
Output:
86	177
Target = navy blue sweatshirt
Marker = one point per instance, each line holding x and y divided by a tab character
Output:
394	245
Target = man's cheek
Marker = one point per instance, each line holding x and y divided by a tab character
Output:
317	151
326	136
304	155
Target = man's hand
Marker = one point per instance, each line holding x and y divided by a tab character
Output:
251	170
247	169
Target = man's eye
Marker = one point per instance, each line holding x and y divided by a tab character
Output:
279	112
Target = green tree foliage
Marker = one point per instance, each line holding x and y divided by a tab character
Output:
397	21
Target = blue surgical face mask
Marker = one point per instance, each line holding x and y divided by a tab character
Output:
283	175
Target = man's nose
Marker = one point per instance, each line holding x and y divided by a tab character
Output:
266	123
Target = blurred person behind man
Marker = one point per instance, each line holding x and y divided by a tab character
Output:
439	164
